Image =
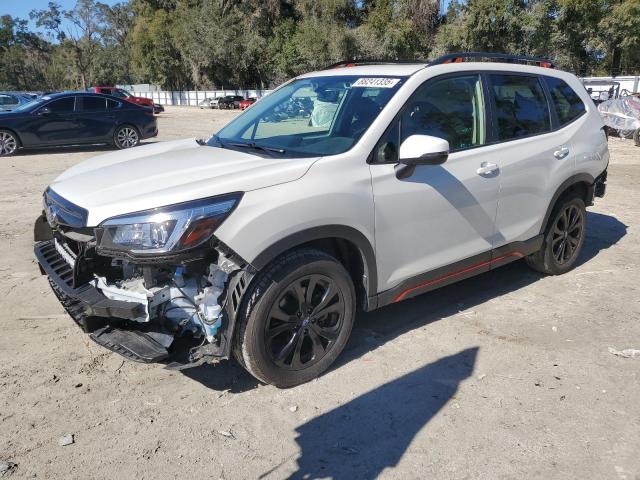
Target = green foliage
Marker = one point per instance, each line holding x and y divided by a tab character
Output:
183	44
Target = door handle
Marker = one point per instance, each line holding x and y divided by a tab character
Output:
486	168
562	153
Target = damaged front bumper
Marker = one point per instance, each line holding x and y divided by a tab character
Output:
184	312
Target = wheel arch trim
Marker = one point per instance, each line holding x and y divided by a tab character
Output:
325	232
584	178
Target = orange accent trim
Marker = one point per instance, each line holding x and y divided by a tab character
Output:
455	274
545	64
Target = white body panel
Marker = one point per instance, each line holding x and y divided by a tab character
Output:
167	173
440	215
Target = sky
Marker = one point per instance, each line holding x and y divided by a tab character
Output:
21	8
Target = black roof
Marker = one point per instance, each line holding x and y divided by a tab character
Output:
457	57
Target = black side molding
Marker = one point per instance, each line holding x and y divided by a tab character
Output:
461	270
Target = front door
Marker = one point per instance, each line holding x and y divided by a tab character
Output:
440	215
56	125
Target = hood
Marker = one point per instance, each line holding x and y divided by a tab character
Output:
166	173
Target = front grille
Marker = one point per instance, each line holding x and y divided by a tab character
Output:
59	266
60	211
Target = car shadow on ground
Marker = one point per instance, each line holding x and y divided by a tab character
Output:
362	437
374	329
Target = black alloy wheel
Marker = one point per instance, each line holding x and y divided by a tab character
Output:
567	234
563	237
304	322
295	318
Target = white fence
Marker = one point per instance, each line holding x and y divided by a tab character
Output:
193	98
629	83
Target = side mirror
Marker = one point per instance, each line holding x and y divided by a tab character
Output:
44	111
421	150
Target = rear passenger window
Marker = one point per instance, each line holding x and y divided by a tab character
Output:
91	104
112	104
521	106
567	102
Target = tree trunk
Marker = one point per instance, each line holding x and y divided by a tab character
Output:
616	56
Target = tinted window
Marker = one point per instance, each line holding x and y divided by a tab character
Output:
567	102
112	104
64	105
451	108
521	106
91	103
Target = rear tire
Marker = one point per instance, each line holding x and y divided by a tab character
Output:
296	319
126	136
563	238
9	143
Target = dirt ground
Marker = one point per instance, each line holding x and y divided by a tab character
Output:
506	375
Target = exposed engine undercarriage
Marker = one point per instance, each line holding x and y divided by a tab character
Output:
142	308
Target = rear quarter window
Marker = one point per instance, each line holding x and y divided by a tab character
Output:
521	106
566	101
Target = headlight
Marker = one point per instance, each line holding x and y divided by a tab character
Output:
167	229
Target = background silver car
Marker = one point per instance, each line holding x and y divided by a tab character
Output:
12	100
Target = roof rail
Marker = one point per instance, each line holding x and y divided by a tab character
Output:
460	57
356	63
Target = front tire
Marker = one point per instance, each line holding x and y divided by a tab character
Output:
563	238
8	143
296	319
126	136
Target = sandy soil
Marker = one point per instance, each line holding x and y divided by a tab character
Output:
507	375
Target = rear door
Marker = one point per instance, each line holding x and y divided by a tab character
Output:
95	122
533	154
440	219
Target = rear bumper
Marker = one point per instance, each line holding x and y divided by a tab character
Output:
81	301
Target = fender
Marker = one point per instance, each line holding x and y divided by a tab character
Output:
321	233
578	178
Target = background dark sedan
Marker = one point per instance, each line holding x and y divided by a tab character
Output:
75	119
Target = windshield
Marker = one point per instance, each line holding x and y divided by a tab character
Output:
29	105
311	116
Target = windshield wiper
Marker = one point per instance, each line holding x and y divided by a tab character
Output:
255	146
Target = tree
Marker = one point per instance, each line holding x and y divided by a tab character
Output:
79	36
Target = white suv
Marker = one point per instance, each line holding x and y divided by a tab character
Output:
349	188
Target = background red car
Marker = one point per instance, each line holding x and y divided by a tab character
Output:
120	93
244	104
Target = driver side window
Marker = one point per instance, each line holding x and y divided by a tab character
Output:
451	108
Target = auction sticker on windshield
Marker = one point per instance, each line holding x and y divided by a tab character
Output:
376	82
